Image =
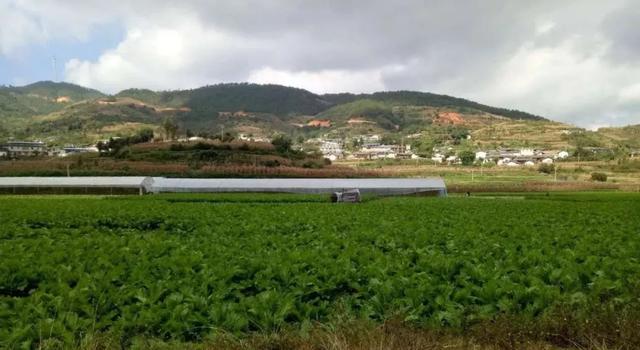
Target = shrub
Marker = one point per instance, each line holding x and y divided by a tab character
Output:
601	177
282	144
546	168
467	157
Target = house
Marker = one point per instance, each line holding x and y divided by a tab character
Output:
438	158
452	159
526	152
69	150
547	161
562	155
371	138
24	148
331	150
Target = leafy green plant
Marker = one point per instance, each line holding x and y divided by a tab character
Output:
184	267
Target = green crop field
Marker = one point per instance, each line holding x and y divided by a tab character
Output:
183	268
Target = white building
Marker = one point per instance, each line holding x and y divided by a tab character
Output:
452	159
562	155
526	152
24	148
331	150
70	150
547	161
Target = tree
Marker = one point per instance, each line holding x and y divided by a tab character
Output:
546	168
424	146
227	137
102	146
282	144
621	153
467	157
601	177
458	134
144	135
170	128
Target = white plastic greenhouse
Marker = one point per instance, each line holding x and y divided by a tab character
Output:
76	185
382	186
142	185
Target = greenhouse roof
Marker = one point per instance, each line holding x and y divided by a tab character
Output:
300	185
77	181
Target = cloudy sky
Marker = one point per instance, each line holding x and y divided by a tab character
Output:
572	61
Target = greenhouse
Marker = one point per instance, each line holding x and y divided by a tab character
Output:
143	185
76	185
381	186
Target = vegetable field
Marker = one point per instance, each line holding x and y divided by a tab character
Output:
186	267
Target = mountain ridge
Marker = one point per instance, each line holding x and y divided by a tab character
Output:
64	112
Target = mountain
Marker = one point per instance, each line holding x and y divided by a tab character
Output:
41	98
55	90
415	98
66	113
208	100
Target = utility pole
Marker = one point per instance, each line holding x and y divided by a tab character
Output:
555	173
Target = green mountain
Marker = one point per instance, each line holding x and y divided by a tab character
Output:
41	98
415	98
54	90
66	113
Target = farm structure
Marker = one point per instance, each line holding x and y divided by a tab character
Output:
379	186
76	185
143	185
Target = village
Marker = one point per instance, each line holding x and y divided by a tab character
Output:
358	148
371	148
20	149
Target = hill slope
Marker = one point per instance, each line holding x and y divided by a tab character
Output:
415	98
68	113
41	98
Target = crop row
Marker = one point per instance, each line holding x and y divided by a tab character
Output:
182	267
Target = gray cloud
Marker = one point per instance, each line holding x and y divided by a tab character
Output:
621	28
573	61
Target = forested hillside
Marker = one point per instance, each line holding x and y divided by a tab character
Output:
67	113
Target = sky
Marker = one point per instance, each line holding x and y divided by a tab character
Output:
575	61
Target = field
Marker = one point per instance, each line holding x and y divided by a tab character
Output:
289	271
